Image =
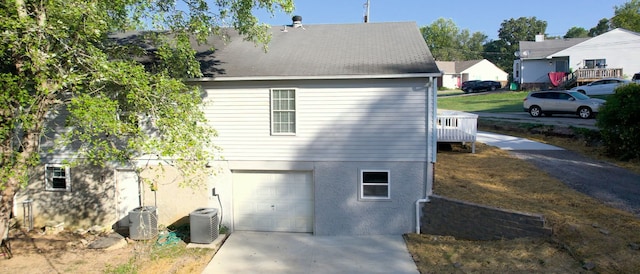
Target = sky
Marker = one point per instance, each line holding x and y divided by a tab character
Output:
475	15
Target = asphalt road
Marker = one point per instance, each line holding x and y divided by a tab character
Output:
614	186
557	120
610	184
524	117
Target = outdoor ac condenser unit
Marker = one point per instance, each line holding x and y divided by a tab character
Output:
203	223
143	223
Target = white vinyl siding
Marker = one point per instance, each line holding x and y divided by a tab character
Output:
362	121
485	70
618	47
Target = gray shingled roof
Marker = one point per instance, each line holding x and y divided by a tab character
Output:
324	51
464	65
448	67
456	67
542	49
318	51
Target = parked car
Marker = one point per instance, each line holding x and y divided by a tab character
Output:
561	102
477	85
602	86
467	84
636	78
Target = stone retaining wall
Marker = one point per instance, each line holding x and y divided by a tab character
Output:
464	220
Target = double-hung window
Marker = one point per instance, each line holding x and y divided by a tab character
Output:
374	184
57	178
283	112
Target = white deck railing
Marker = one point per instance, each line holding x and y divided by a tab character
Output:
457	127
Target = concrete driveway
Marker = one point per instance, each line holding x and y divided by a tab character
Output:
269	252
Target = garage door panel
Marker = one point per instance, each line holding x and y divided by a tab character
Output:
273	201
302	224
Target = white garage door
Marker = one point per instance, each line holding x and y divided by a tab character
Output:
273	201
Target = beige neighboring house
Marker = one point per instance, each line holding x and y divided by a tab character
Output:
456	72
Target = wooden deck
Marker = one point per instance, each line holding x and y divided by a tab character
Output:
457	127
584	76
590	75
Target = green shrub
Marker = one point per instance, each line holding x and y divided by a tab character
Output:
619	123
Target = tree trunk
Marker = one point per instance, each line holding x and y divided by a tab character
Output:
18	158
6	199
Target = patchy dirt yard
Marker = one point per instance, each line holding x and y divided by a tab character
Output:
67	252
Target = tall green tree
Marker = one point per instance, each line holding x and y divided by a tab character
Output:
56	56
627	16
472	44
448	43
511	32
441	39
499	53
603	26
576	32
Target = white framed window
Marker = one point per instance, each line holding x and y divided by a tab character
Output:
595	63
375	184
283	112
57	177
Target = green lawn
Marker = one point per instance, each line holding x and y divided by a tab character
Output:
510	101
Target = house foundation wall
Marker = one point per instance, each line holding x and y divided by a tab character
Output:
89	202
339	210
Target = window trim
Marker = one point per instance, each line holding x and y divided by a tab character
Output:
272	111
363	184
48	183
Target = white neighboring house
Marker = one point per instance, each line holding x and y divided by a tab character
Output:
581	60
456	72
321	134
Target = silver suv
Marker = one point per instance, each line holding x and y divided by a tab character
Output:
561	102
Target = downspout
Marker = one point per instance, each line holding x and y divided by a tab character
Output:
418	202
431	112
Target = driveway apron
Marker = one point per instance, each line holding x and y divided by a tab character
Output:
614	186
270	252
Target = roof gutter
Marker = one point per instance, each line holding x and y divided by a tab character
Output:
320	77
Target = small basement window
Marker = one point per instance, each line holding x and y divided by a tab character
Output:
374	184
57	178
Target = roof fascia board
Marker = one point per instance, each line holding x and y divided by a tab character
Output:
334	77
